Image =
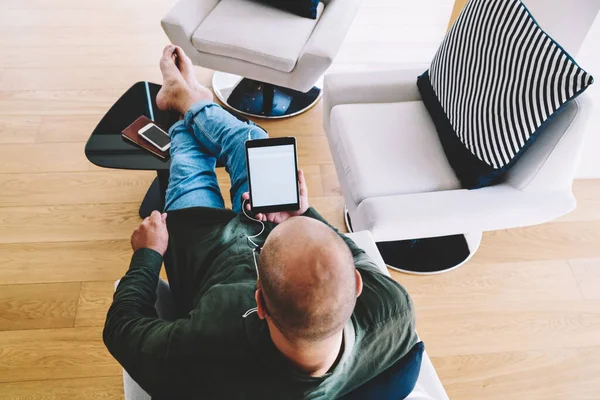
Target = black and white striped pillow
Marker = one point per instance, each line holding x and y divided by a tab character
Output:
495	82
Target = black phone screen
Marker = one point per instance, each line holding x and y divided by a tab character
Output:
156	135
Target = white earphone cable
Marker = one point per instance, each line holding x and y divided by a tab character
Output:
249	238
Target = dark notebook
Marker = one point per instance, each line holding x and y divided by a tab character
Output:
130	134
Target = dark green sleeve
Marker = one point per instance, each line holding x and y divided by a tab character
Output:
133	333
361	258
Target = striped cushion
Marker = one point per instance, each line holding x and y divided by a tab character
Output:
493	86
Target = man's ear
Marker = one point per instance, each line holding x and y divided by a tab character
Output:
359	283
261	310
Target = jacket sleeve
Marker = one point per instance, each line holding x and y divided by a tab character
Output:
133	333
361	258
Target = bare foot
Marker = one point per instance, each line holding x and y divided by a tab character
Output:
175	93
186	67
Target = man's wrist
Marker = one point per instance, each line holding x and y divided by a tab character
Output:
149	248
146	257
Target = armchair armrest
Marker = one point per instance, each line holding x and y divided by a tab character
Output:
183	19
324	43
451	212
327	37
369	87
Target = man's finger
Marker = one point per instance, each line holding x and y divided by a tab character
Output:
301	178
146	220
302	183
155	216
246	196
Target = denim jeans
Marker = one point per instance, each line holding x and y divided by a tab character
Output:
206	135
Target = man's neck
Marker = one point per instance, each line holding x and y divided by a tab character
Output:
315	359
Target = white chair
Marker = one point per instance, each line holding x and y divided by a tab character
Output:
281	55
428	386
394	175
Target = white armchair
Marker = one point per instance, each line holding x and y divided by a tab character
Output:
396	180
281	55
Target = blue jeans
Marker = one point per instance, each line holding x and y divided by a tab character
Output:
207	135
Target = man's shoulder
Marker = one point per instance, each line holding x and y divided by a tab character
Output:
381	300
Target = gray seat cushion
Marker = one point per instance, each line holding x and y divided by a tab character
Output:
256	33
388	149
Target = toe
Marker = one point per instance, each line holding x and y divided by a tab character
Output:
185	63
167	61
168	52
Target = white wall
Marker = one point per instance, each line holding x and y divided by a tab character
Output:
589	59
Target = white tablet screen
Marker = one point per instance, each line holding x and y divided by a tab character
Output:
273	176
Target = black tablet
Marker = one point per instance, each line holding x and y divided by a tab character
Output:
273	175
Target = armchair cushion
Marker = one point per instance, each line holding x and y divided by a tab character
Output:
495	84
303	8
244	30
388	149
397	382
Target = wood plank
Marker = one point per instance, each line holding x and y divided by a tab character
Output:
547	374
19	129
88	78
312	174
82	18
387	14
54	354
367	53
67	128
80	222
24	103
84	4
55	36
71	56
458	7
332	209
587	193
587	274
104	186
38	306
329	178
313	150
493	284
94	301
47	157
77	78
560	240
498	327
23	263
101	388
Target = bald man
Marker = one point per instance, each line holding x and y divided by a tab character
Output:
311	317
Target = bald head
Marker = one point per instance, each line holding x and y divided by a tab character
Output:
308	280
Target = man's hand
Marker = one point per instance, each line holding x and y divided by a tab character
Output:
282	216
152	234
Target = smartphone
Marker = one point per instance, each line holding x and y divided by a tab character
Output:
273	175
156	137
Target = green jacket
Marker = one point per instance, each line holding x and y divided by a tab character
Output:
219	348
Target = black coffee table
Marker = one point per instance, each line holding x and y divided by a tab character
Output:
106	148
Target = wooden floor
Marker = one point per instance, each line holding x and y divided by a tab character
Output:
520	321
